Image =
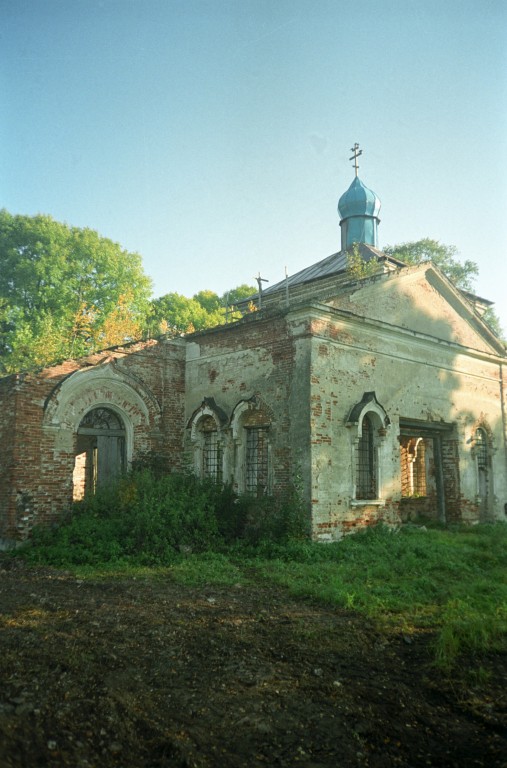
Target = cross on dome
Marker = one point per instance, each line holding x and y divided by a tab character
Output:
356	152
358	209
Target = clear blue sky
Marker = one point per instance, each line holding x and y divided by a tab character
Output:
213	136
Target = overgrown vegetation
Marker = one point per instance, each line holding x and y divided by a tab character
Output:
415	579
357	267
149	517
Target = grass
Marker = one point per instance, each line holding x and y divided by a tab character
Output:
450	582
453	583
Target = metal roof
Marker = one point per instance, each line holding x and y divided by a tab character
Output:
332	265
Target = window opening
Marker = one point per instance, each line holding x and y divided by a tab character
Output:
482	458
481	450
256	460
366	485
101	420
414	480
211	449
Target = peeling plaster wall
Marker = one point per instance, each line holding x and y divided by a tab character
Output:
407	338
253	358
413	378
415	298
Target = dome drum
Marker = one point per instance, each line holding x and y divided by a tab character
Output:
359	229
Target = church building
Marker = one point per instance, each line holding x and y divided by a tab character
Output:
384	394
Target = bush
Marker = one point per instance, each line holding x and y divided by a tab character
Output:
148	517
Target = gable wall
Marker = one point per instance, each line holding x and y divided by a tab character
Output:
412	378
417	299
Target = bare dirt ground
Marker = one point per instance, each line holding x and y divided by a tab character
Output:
147	674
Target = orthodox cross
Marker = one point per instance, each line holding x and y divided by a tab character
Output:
355	149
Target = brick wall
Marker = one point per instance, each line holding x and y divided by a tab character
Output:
304	368
7	433
41	413
237	362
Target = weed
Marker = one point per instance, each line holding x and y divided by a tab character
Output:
468	628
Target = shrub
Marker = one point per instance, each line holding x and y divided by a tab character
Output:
148	517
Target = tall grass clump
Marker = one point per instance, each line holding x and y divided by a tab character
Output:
469	628
142	518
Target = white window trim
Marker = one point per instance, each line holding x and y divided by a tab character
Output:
370	407
197	438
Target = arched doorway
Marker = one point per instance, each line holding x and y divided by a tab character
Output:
100	451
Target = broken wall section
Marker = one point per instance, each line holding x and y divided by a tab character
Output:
142	383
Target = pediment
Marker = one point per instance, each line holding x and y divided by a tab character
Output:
423	300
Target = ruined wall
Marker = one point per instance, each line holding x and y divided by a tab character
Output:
416	298
143	383
8	404
303	369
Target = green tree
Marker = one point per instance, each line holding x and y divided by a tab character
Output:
209	300
58	287
357	267
174	313
462	274
234	297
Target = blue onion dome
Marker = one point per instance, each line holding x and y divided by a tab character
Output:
358	200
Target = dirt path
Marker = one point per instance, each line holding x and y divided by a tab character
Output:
149	674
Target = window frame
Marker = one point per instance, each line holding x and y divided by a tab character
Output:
198	441
249	415
379	421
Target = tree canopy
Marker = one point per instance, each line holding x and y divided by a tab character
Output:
462	274
64	292
174	313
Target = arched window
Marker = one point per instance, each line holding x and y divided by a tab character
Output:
100	450
368	421
208	438
366	469
481	450
482	461
251	426
256	459
211	448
